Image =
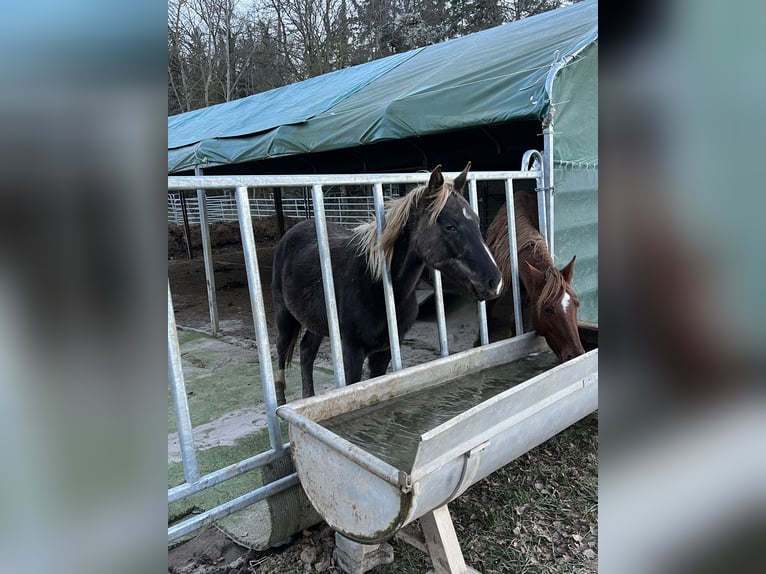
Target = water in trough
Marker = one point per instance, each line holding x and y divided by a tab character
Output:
391	430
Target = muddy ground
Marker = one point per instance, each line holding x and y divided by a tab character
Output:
538	514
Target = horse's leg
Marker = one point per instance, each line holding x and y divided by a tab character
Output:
353	361
288	330
309	349
378	363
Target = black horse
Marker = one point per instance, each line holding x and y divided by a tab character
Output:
433	224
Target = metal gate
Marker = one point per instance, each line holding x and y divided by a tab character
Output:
195	483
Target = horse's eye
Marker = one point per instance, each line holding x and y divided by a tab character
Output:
450	227
548	309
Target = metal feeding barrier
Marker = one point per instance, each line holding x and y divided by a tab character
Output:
449	458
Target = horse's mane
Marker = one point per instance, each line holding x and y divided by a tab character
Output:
398	212
529	239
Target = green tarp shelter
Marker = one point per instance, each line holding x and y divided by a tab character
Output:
481	97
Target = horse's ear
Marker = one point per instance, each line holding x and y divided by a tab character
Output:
538	277
437	179
568	271
459	182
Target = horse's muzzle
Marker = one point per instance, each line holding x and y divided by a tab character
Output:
488	290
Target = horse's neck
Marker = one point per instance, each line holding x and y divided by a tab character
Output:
531	243
533	250
406	267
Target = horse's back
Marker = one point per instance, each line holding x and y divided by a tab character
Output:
297	273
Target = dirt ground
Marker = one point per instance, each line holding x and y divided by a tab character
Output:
211	552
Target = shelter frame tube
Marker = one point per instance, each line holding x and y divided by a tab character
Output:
180	404
207	255
548	187
473	199
511	214
388	289
559	64
328	284
259	316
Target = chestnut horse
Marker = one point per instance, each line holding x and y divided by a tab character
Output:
546	292
432	225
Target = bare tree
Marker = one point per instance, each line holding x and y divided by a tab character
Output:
315	34
518	9
219	50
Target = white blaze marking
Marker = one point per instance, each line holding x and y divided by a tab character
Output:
565	301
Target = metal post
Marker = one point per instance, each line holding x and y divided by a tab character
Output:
388	289
187	231
542	210
180	404
207	254
329	285
279	211
473	198
548	178
441	321
259	316
510	211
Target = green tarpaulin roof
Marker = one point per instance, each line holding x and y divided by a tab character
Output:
489	77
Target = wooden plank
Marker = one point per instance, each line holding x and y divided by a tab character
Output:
442	543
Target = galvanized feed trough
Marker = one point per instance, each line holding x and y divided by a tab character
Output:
368	500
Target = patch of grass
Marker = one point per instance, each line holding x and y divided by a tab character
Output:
212	459
221	378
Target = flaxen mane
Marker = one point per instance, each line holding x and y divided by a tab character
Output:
528	239
398	212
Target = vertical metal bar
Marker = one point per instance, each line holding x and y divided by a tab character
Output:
279	211
473	198
207	255
187	231
548	176
180	404
329	285
542	212
388	289
259	316
510	211
441	321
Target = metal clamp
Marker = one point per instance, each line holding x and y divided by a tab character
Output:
471	461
